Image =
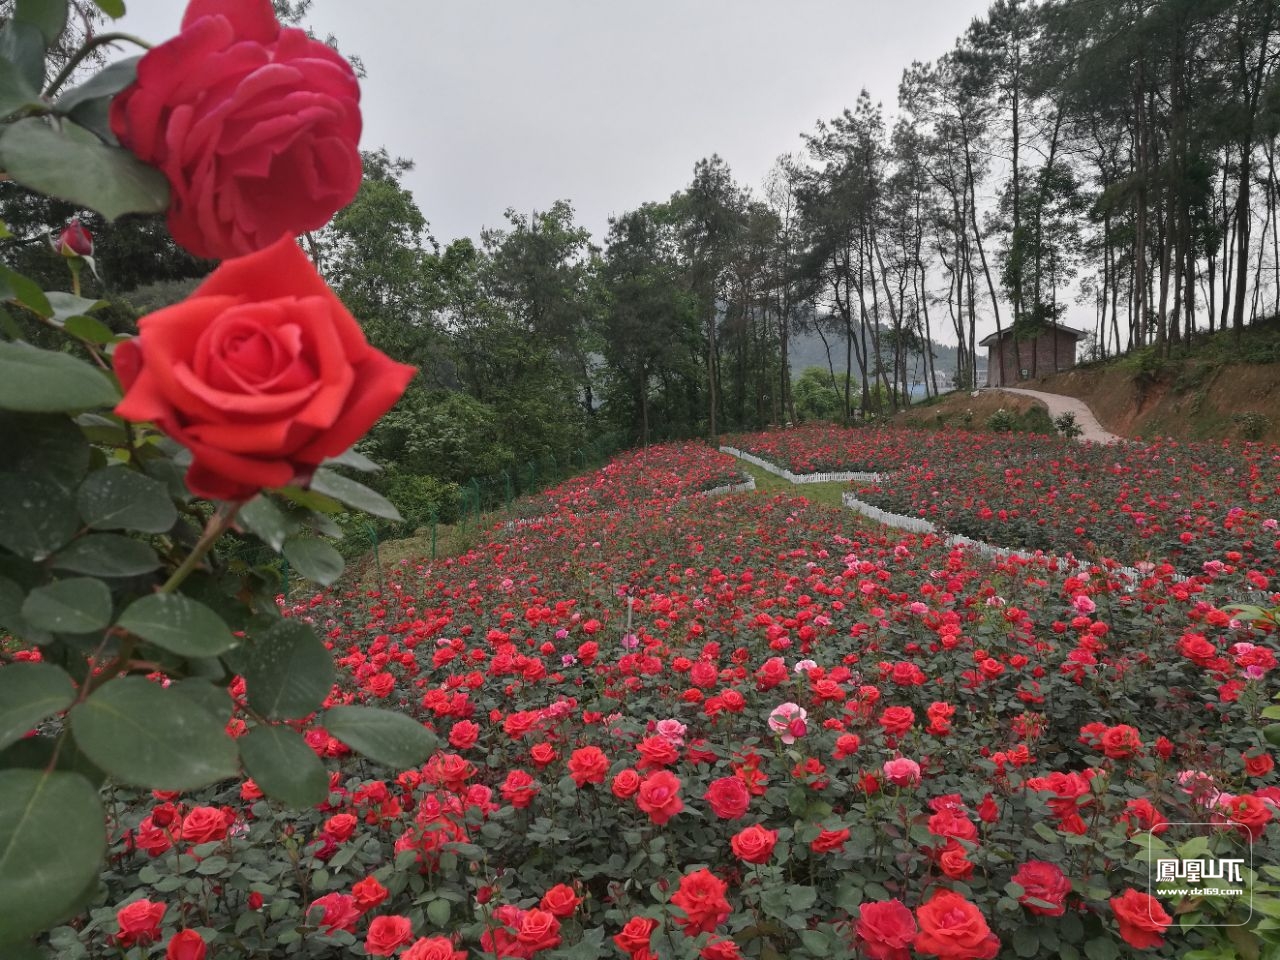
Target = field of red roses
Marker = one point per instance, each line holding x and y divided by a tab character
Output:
685	726
1188	504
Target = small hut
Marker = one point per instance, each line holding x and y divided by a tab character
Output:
1050	351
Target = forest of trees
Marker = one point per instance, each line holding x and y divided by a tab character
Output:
1108	163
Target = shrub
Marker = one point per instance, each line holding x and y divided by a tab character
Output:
1253	425
1002	421
1065	424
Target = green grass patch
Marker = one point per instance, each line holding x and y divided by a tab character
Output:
770	485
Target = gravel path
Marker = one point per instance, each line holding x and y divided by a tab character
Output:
1059	404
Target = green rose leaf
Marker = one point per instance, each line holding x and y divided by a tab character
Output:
68	305
283	766
389	738
150	737
15	92
12	597
77	605
36	515
107	555
61	752
25	291
51	847
112	8
23	45
353	494
29	693
261	517
43	381
117	498
80	169
354	460
49	445
106	83
314	559
89	329
289	673
47	16
214	698
178	624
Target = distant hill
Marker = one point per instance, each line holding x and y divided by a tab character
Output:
806	350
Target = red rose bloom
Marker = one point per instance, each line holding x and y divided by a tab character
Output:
1248	813
625	784
1258	766
886	929
702	898
185	945
728	797
1121	742
139	923
261	373
519	789
720	950
588	765
337	912
341	826
387	934
754	844
897	720
955	862
1046	883
829	841
205	824
636	935
539	930
560	901
1142	920
659	796
256	128
952	928
368	893
433	948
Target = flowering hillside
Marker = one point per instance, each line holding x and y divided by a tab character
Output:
690	726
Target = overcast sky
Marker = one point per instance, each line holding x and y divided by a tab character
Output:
606	103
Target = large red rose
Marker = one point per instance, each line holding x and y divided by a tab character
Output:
1142	920
1043	882
886	930
139	923
952	928
702	898
261	373
754	844
728	797
588	765
387	935
659	796
433	948
205	824
256	128
636	935
186	945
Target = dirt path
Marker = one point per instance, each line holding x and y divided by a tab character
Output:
1059	404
